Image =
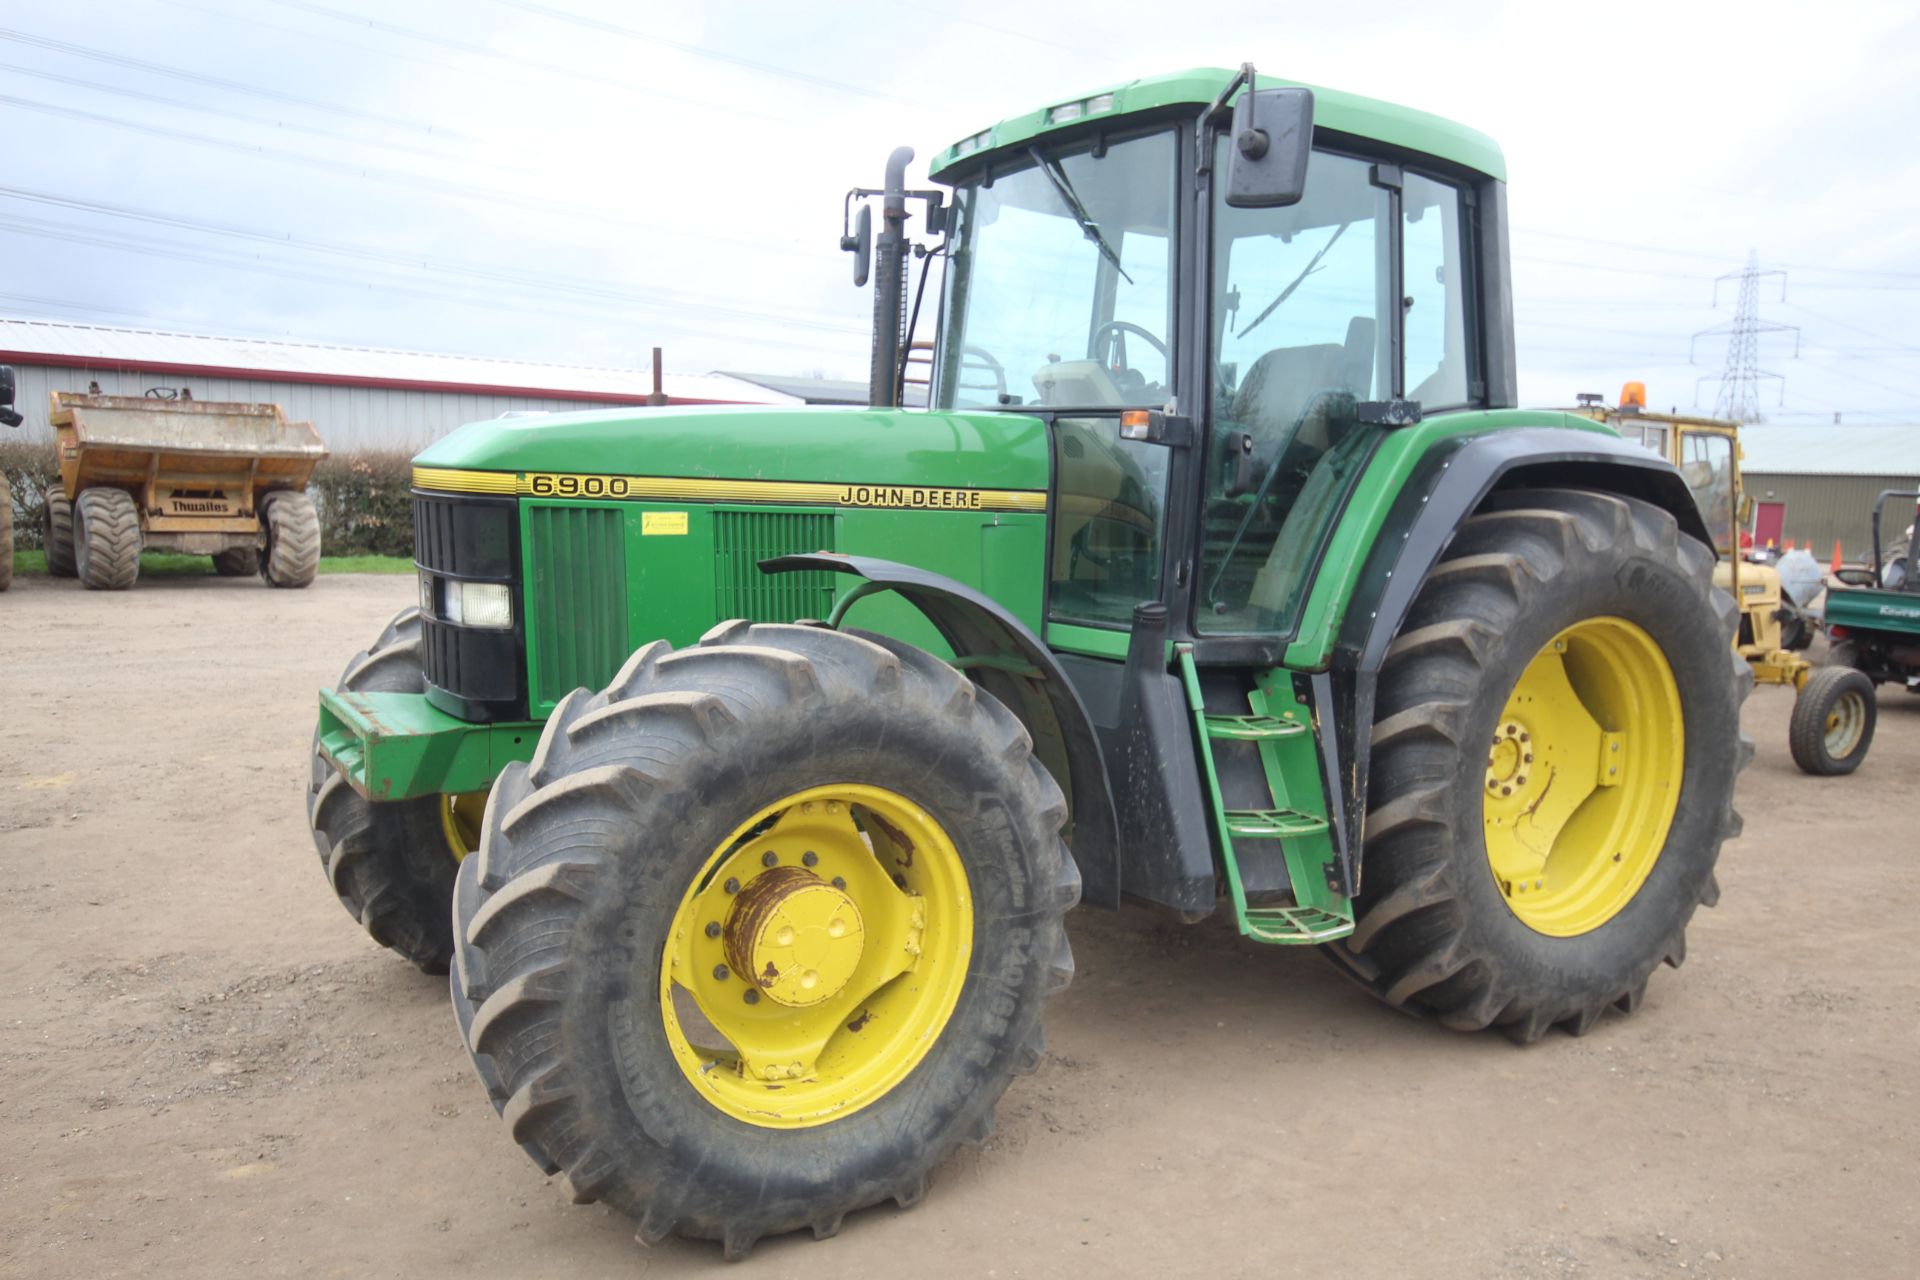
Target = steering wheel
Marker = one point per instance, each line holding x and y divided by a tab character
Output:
1117	361
972	357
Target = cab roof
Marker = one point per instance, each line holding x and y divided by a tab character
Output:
1341	112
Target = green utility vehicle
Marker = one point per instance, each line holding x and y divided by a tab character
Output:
1874	628
761	753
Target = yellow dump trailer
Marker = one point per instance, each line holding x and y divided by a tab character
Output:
198	477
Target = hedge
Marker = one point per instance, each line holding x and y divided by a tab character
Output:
362	498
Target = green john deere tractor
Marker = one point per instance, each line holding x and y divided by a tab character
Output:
743	764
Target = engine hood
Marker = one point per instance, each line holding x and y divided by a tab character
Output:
846	446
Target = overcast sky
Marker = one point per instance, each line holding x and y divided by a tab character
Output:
579	180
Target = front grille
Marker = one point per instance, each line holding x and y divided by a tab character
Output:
741	539
471	673
465	537
576	598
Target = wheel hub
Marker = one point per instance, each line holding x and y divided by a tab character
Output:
1508	760
795	936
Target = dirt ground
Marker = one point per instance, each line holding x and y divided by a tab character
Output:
207	1070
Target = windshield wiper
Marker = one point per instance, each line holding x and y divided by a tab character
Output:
1088	227
1297	281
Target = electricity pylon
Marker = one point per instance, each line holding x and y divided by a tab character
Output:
1739	398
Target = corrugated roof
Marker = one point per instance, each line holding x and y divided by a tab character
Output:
1877	450
24	341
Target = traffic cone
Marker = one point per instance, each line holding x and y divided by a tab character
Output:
1788	546
1836	555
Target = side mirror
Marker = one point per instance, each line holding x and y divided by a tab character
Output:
8	417
1267	156
860	244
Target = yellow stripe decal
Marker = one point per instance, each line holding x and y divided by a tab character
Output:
463	481
553	484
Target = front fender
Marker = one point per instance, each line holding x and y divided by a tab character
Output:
1002	656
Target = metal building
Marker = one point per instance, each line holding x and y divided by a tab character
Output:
1816	485
358	397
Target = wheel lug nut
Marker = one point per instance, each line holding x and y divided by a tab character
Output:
720	972
839	882
732	885
769	859
1506	791
713	928
809	858
752	996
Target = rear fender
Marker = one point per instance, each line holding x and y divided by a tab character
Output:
999	653
1453	481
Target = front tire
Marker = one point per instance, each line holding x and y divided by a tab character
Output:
622	943
1833	720
1535	882
59	535
390	863
106	539
292	526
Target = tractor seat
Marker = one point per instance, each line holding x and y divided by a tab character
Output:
1281	382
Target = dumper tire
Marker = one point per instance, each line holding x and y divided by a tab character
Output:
1541	582
59	535
292	529
106	539
237	562
389	862
1833	720
6	534
593	862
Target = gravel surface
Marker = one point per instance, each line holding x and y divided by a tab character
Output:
207	1070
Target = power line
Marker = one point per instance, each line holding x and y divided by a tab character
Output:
491	195
91	86
700	51
1709	257
543	281
146	246
562	70
232	86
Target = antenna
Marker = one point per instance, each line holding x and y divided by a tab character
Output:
1739	398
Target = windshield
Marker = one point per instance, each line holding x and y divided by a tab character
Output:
1059	291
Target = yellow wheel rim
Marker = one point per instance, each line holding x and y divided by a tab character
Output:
817	956
460	817
1583	777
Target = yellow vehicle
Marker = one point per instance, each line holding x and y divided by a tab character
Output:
1772	627
200	477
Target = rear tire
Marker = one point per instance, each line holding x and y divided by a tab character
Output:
566	921
106	539
293	540
1833	720
237	562
1437	930
390	864
59	535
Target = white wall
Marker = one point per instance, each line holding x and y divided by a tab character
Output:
348	418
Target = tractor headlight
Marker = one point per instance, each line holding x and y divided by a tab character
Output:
487	605
484	604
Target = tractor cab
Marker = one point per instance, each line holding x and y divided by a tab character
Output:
1267	277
